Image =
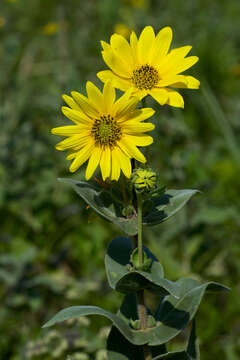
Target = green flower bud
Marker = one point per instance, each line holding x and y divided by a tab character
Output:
144	179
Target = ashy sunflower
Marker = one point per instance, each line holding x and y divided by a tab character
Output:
147	65
106	131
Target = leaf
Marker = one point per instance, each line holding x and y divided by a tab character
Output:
167	205
193	345
78	311
176	355
101	201
173	315
120	348
192	353
124	280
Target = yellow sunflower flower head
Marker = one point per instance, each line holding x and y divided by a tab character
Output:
149	66
106	131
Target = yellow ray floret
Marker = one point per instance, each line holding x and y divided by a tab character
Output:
106	131
149	66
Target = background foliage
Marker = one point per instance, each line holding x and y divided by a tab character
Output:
52	246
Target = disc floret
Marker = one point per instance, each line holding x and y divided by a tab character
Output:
145	77
106	131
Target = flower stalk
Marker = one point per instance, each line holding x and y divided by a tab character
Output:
139	214
142	311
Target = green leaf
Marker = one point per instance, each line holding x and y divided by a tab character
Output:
193	350
120	348
78	311
192	353
176	355
166	205
174	314
101	201
125	280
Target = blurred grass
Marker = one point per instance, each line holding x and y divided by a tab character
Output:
51	246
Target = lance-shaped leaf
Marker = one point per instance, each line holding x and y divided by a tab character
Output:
126	280
192	352
166	205
175	355
174	314
120	348
102	202
73	312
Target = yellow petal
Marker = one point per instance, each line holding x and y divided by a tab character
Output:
105	163
81	157
140	140
140	94
117	81
115	63
109	95
141	114
121	102
133	45
172	79
93	162
95	96
73	142
71	154
68	130
184	64
134	127
124	162
160	95
175	99
189	82
130	149
175	62
162	44
70	102
121	47
86	106
115	167
76	116
126	108
180	52
145	44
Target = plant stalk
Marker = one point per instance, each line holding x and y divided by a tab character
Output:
139	215
142	311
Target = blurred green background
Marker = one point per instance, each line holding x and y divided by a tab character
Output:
51	246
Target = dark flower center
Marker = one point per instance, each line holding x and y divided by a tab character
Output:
106	131
145	77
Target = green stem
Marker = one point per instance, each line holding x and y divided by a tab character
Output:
139	214
142	310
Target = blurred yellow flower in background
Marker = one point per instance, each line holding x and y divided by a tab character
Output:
147	66
2	21
236	70
106	132
50	28
122	29
139	4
